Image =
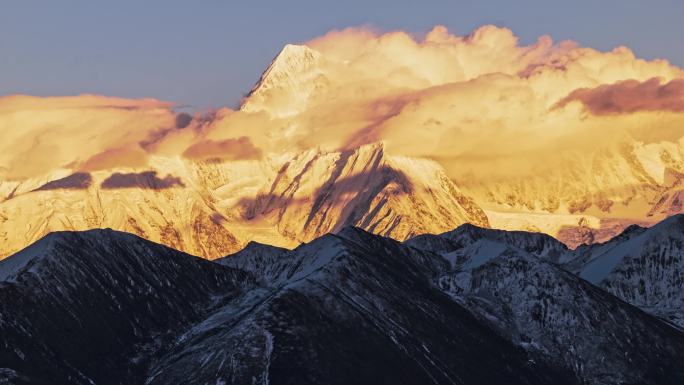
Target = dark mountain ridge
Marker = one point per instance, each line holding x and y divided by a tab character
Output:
470	306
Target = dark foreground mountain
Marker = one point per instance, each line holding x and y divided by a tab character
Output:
551	313
644	267
349	308
95	307
466	307
641	266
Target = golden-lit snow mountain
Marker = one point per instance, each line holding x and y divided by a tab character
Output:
213	208
582	198
395	134
587	186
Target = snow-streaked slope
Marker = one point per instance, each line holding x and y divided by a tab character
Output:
111	308
322	288
320	192
550	312
617	180
289	82
538	244
348	308
264	261
10	267
179	214
644	267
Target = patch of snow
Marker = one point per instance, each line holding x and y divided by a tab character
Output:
481	252
600	266
269	350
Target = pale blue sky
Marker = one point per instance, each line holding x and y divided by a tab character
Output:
207	53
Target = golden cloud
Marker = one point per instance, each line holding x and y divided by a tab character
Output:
43	134
240	148
481	103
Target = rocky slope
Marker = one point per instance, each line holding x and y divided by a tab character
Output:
347	309
316	193
110	308
644	267
538	244
548	311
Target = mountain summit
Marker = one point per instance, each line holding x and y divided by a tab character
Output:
288	83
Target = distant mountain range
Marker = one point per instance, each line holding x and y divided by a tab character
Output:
468	306
212	209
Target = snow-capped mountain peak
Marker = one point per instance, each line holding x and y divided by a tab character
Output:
288	83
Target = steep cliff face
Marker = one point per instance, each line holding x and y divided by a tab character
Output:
317	193
162	206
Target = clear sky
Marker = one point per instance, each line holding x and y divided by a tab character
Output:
207	53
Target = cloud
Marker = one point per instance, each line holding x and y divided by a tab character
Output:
115	157
630	96
240	148
183	120
144	180
43	134
77	181
84	101
481	104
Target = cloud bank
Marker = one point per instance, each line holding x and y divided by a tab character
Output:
43	134
481	103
